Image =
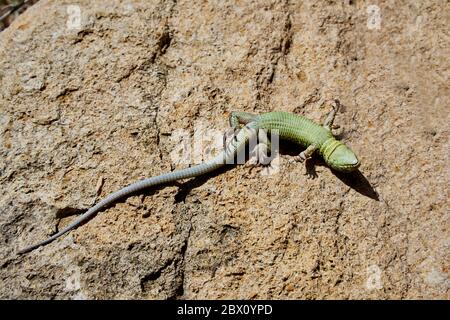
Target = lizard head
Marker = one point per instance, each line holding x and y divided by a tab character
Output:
338	156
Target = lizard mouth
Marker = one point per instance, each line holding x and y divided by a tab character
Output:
353	165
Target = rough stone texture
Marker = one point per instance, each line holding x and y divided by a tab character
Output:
100	103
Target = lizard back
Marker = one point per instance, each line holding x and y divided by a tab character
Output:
295	128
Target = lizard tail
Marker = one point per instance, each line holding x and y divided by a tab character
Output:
194	171
220	160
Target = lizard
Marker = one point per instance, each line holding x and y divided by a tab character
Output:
246	126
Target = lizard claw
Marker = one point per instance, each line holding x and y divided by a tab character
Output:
310	170
311	174
300	158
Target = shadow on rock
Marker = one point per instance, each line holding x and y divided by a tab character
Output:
357	182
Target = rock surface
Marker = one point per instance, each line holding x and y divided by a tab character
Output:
91	99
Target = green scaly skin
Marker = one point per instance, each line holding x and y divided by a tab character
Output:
305	132
288	126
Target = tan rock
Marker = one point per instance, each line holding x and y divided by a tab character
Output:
95	92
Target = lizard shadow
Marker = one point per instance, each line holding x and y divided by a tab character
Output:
358	182
185	188
354	179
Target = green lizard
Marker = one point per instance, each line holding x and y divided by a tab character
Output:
288	126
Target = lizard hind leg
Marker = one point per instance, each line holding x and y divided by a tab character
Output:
238	117
235	119
259	155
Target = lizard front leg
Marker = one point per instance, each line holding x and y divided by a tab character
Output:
304	156
329	120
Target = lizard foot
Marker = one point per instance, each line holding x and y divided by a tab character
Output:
258	156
